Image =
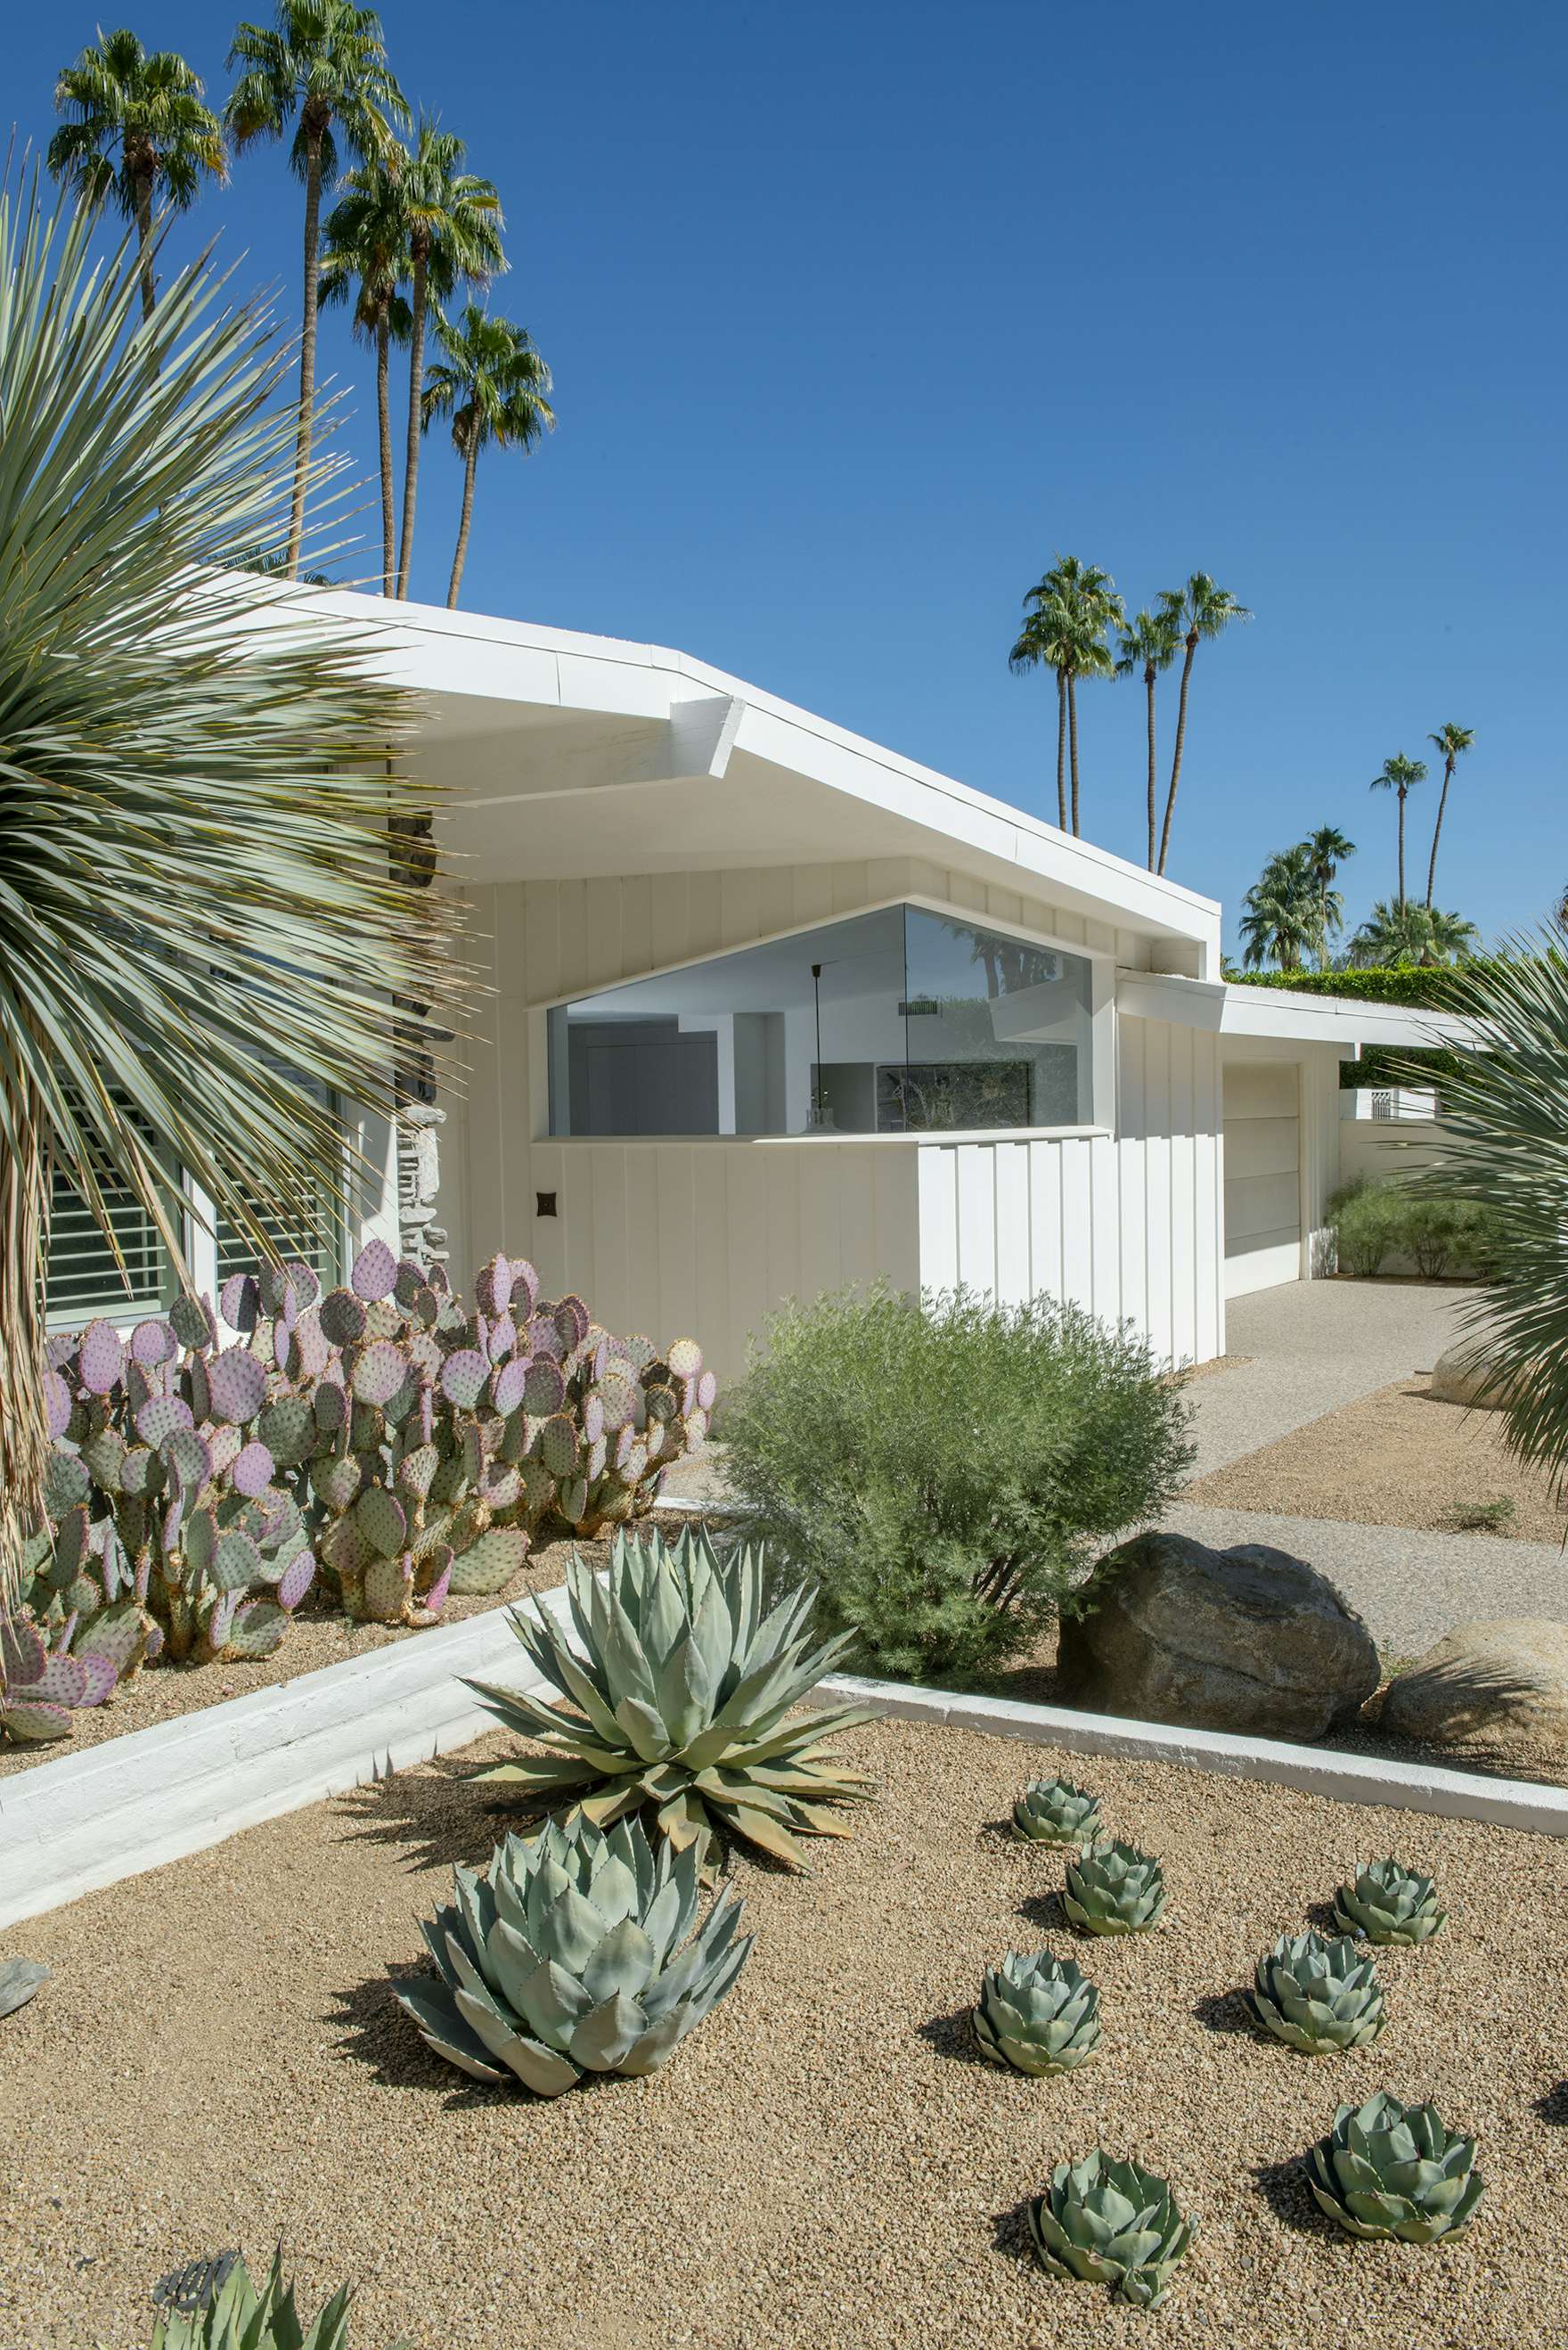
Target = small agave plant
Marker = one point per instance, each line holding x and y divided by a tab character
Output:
1040	2014
1110	2223
1053	1811
214	2305
1114	1888
580	1954
1389	1904
1392	2170
1317	1995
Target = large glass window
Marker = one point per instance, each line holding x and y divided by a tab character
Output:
892	1023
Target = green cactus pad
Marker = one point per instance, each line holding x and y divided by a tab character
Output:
558	1446
379	1372
65	1483
493	1560
201	1540
258	1629
193	1324
380	1519
388	1586
337	1478
416	1470
343	1318
101	1455
287	1428
236	1561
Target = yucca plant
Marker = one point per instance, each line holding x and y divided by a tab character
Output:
1504	1145
1392	2170
1317	1995
1390	1904
1039	2014
1110	2223
580	1953
1114	1888
682	1677
198	778
1053	1811
214	2305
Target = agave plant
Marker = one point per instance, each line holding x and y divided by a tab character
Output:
580	1954
682	1679
1053	1811
1317	1995
213	2305
230	766
1114	1888
1111	2222
1388	2169
1039	2014
1390	1904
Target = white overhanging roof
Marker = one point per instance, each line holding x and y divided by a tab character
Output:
1225	1009
560	756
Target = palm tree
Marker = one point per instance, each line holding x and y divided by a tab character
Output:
365	253
1397	934
137	132
1070	611
1400	774
454	232
322	66
1046	641
1282	914
1150	642
493	384
1200	610
195	851
1328	850
1452	741
1503	1145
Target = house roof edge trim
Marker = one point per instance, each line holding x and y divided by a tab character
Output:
460	656
1225	1010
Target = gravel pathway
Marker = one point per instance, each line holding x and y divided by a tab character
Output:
1411	1586
824	2165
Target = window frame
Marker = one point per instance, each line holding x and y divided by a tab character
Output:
1102	966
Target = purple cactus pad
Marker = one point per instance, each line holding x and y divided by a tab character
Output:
295	1581
160	1416
507	1388
57	1403
239	1301
253	1470
375	1273
100	1358
379	1372
152	1343
434	1599
464	1377
238	1384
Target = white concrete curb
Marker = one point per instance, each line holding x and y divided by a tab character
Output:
89	1817
1316	1770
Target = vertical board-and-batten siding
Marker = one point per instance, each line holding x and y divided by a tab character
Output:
1128	1227
667	1236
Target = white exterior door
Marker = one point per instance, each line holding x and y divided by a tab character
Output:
1262	1175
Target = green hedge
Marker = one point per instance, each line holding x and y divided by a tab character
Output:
1375	1220
1416	990
1399	1065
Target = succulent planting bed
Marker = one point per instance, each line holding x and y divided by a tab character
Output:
825	2161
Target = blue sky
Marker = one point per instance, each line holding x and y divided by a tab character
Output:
858	311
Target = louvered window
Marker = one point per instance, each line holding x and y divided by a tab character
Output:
83	1279
323	1249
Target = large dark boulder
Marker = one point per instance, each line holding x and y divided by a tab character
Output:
1247	1639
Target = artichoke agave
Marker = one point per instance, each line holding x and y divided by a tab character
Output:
1111	2222
1040	2015
1318	1995
214	2305
578	1955
682	1679
1053	1811
1389	1904
1114	1888
1388	2169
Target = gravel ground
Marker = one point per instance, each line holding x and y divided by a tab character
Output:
824	2165
1395	1458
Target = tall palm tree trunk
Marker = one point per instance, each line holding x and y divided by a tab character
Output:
1438	831
307	347
1401	849
144	247
1072	741
1148	685
24	1239
384	436
1176	757
1061	750
470	464
416	397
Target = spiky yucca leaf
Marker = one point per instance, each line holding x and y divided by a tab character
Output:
681	1678
195	789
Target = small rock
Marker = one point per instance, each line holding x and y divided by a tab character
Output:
1250	1639
1500	1680
1459	1376
19	1979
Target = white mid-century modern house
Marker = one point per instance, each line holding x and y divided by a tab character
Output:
772	1009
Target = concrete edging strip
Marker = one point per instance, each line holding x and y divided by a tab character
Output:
1317	1771
87	1818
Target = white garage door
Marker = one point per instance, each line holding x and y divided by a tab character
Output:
1262	1179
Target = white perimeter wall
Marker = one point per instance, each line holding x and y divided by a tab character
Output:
708	1236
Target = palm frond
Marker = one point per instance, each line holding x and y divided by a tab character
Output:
198	771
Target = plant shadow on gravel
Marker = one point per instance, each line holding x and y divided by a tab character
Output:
1010	2234
376	2034
953	2036
1048	1911
1228	2011
1552	2108
440	1812
1284	2188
